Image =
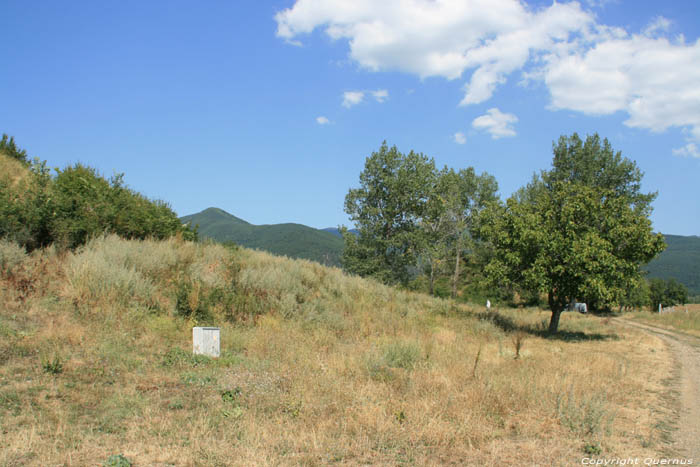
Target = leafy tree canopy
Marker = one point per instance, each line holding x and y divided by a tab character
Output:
580	232
386	209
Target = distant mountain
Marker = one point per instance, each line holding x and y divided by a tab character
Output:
336	232
293	240
680	260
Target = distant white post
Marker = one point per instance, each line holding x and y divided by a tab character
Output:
206	341
488	304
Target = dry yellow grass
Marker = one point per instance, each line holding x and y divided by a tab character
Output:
685	318
317	368
12	171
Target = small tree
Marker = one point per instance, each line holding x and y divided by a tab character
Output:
667	292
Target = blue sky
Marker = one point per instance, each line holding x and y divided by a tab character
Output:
269	109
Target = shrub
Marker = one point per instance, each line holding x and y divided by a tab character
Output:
402	354
191	300
587	416
94	278
76	204
395	354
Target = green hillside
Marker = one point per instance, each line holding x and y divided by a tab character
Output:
680	260
293	240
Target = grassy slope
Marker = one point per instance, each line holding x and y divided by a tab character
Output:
12	172
293	240
680	260
317	368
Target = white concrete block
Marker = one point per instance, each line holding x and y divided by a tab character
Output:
206	341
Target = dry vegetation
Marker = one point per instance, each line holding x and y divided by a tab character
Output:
685	318
317	368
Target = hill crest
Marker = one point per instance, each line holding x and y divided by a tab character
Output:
287	239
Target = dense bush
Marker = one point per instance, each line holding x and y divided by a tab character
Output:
74	205
667	292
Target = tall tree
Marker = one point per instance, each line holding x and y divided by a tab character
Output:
386	209
463	196
581	232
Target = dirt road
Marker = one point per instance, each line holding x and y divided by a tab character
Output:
686	350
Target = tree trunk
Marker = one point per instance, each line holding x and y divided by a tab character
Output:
456	276
432	275
556	313
554	322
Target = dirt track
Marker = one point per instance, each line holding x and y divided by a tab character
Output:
686	350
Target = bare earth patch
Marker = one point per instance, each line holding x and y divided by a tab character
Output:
686	350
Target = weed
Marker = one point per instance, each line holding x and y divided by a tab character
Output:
176	405
377	369
587	416
476	362
117	460
232	404
191	301
231	396
293	409
10	401
177	357
518	337
592	449
53	367
195	379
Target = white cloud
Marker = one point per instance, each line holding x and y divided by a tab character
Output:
322	120
380	95
689	150
460	138
588	67
438	38
660	24
654	81
351	98
497	123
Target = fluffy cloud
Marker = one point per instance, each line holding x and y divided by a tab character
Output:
322	120
438	38
587	67
460	138
495	122
351	98
689	150
653	80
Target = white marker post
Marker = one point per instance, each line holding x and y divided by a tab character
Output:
206	341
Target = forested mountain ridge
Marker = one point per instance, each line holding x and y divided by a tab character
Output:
289	239
680	260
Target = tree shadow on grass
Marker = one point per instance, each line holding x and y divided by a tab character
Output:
509	325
